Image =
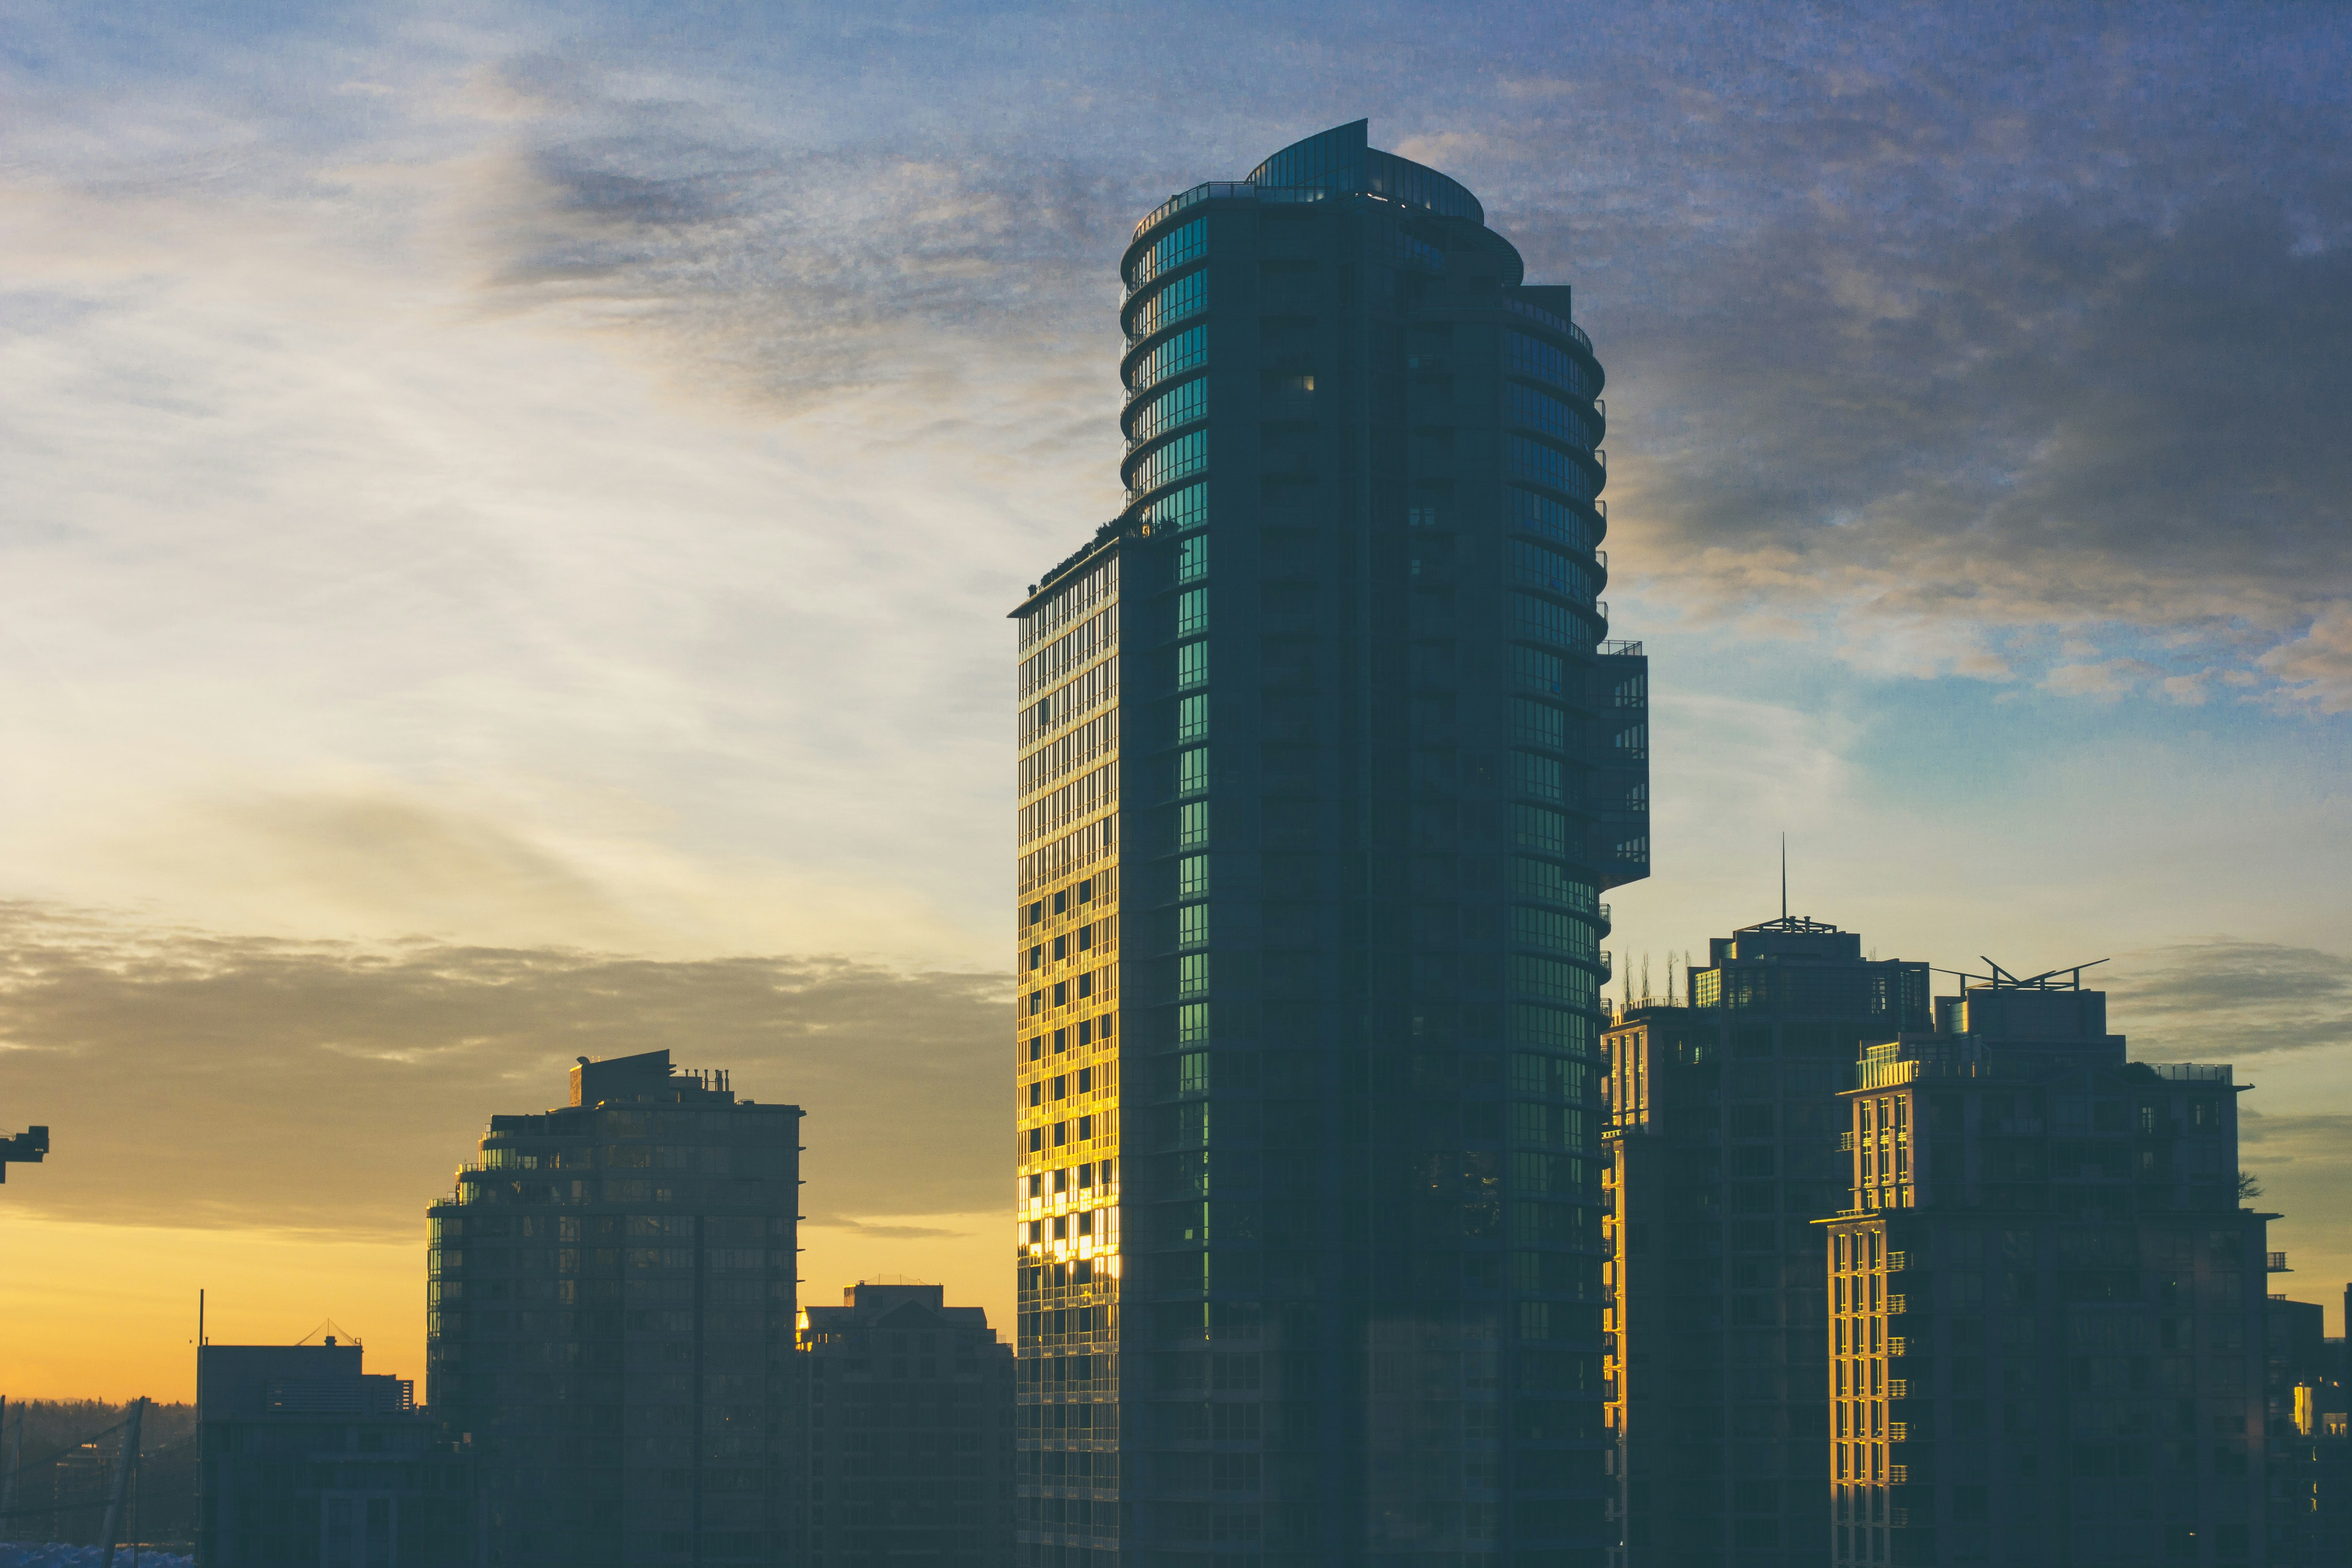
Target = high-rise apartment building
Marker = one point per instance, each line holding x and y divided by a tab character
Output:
910	1432
2047	1303
1724	1131
610	1319
1324	764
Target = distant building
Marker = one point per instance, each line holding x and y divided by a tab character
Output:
1724	1125
2047	1305
609	1316
307	1460
29	1147
910	1433
2310	1481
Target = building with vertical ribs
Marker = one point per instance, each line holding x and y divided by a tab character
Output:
610	1318
1325	761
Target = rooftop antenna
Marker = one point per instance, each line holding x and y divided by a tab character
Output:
1784	876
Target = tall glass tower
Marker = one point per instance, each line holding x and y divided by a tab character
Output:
1324	765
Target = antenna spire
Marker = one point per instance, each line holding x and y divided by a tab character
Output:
1784	876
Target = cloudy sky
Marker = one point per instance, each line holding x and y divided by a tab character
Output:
506	516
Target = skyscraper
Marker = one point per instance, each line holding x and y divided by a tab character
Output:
1324	763
1725	1123
2047	1304
609	1316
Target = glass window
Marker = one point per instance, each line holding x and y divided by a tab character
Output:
1192	555
1528	458
1177	354
1193	925
1530	355
1534	514
1180	404
1171	250
1539	724
1533	827
1193	717
1192	612
1192	876
1193	664
1547	622
1186	295
1192	1021
1187	454
1552	929
1532	562
1187	508
1544	879
1533	405
1533	670
1193	823
1538	775
1191	973
1193	771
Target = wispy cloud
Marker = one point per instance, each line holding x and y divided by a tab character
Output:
194	1078
2225	999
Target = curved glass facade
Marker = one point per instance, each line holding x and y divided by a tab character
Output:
1310	1270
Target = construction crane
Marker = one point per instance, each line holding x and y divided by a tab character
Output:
26	1148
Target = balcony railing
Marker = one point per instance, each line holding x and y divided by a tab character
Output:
1620	650
2278	1263
1544	318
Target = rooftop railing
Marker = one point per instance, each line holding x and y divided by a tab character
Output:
1544	318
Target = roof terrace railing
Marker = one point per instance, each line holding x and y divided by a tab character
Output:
1544	318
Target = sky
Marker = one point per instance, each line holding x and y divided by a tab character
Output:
507	515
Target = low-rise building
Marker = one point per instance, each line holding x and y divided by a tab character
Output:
307	1460
910	1432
